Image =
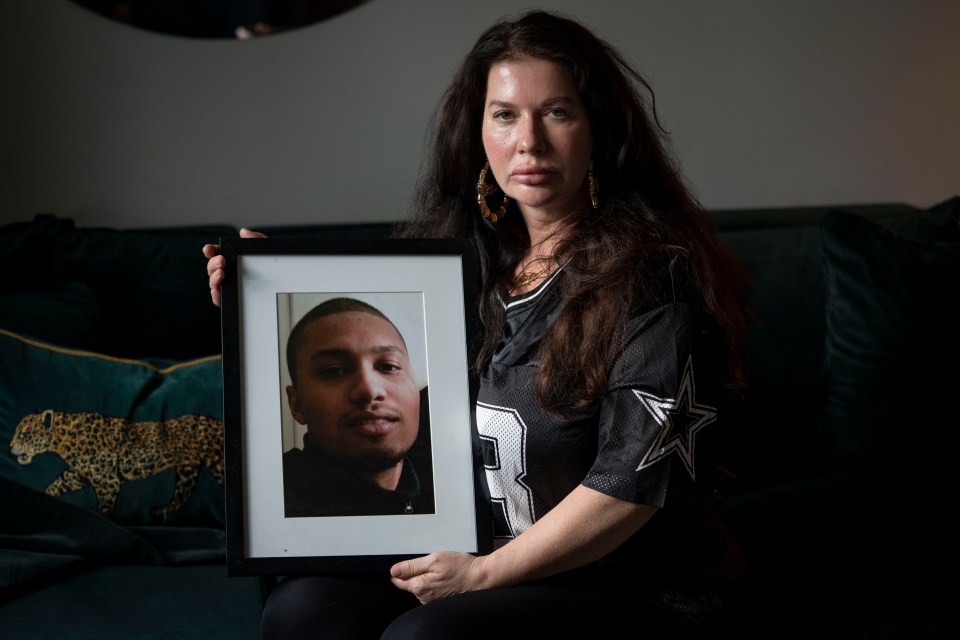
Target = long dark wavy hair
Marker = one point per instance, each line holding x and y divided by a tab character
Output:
648	235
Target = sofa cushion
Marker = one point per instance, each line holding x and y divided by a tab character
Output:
777	432
133	601
892	341
939	223
66	314
774	432
139	443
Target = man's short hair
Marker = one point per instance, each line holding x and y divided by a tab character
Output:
326	308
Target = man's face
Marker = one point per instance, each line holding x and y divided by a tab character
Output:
355	390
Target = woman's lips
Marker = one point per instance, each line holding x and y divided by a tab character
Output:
531	175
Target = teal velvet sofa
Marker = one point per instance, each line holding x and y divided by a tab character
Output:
841	484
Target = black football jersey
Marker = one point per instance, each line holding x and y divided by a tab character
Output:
652	439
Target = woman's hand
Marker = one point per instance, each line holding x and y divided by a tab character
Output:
216	263
438	575
584	527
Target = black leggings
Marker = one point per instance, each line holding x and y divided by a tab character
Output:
343	607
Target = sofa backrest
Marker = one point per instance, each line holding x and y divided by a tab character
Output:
143	293
148	286
779	426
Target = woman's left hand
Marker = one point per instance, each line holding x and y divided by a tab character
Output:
585	526
438	575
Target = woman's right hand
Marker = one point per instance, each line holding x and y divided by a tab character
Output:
216	263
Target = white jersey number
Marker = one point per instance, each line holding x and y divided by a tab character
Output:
506	434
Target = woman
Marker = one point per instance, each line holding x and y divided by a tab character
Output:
612	322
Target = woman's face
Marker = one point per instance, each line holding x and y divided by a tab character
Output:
537	137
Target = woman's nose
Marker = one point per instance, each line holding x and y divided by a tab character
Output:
531	135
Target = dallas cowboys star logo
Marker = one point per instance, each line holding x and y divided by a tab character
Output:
680	419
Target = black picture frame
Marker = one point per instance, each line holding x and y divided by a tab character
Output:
268	281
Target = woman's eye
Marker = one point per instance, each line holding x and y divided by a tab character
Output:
557	112
502	115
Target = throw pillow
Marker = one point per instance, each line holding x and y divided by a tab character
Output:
65	314
137	443
892	341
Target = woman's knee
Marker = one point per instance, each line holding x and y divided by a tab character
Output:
423	623
323	606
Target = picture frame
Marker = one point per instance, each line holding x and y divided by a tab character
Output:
293	506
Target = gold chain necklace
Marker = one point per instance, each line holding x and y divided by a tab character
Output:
527	276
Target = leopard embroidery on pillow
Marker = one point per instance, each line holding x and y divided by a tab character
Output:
105	452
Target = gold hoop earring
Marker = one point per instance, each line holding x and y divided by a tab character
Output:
592	185
484	190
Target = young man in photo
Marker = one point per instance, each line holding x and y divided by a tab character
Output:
366	448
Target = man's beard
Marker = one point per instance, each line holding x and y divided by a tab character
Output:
365	460
374	461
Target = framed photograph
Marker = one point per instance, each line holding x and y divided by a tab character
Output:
348	438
